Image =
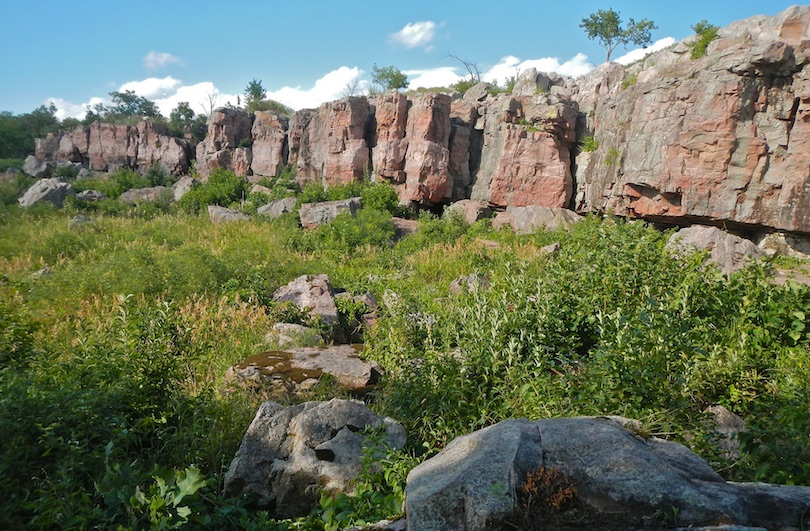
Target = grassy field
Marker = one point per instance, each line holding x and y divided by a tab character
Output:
114	410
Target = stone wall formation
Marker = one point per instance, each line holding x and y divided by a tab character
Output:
721	140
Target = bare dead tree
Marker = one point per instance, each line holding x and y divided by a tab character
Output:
352	88
210	102
472	68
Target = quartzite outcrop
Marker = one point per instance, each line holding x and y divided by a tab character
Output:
720	139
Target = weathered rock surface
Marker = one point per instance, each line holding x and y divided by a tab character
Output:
389	144
469	284
106	147
427	161
470	210
183	186
404	227
90	195
729	252
36	168
527	219
525	158
328	145
220	214
275	209
317	214
147	195
299	365
53	191
617	479
313	292
228	130
269	149
289	455
725	137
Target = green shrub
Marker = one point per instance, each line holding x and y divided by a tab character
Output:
589	144
115	183
706	33
11	163
67	171
11	189
224	188
629	80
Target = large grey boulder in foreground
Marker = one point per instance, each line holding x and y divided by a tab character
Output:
613	480
289	455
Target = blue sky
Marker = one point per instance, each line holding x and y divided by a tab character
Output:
75	53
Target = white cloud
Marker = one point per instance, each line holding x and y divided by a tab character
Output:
152	87
199	96
639	53
67	109
442	76
511	65
329	87
416	35
154	60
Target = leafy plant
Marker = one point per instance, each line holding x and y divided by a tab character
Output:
606	27
589	144
223	188
705	33
629	80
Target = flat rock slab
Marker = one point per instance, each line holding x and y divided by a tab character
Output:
220	214
147	195
303	364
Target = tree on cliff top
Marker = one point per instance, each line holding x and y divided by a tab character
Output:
389	77
606	27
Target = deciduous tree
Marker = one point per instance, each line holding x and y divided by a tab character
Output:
606	27
389	77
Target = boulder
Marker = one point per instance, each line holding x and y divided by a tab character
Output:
52	191
728	427
147	195
183	186
597	475
469	284
39	169
301	365
525	220
270	150
478	92
470	210
286	335
220	214
317	214
289	455
404	227
729	252
531	82
78	221
275	209
90	195
312	292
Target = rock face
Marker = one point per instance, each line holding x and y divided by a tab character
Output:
525	158
725	137
313	292
389	144
427	161
228	130
107	147
328	144
729	252
613	479
269	149
46	190
289	455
